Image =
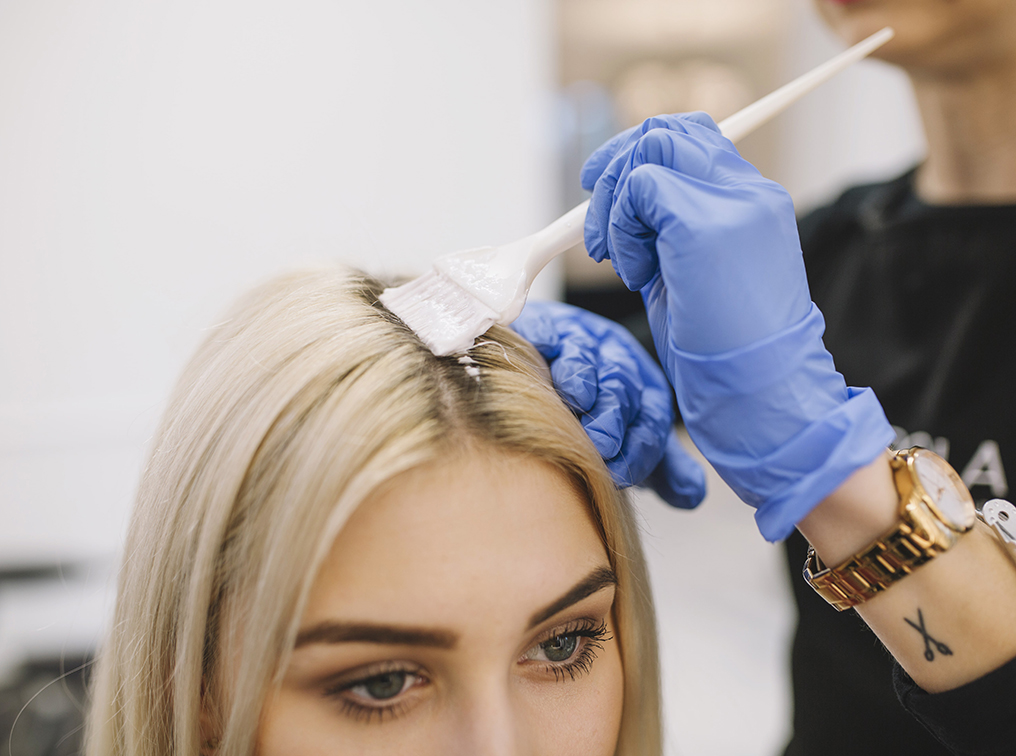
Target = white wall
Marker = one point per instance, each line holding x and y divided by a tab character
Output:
156	158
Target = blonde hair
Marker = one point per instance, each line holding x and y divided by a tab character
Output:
292	412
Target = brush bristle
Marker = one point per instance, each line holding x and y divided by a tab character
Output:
446	317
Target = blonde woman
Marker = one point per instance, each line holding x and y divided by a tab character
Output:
344	544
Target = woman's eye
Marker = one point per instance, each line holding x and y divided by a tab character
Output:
556	650
560	648
383	695
384	687
571	652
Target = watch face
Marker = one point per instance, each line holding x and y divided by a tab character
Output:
949	497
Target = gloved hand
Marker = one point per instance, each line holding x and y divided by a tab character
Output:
622	397
713	247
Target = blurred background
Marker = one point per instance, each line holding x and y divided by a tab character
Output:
158	158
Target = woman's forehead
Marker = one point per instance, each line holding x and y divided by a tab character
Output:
487	535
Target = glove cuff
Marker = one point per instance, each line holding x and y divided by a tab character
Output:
817	462
777	421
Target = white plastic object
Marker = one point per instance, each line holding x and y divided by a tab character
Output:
468	291
566	231
1001	515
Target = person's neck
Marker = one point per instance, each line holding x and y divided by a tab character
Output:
970	123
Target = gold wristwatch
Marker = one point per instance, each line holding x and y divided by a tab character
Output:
935	510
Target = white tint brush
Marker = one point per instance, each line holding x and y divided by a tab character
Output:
468	292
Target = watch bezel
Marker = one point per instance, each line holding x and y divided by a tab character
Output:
910	458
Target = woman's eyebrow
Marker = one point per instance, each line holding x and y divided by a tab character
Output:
365	632
595	581
397	635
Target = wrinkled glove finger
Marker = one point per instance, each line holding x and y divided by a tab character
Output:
703	119
575	371
633	239
655	297
596	239
599	365
636	459
619	398
654	200
696	152
561	335
678	479
694	161
604	168
598	214
644	439
597	163
693	242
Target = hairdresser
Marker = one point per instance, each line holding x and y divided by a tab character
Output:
714	249
914	277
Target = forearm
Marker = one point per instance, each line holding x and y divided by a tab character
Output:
965	599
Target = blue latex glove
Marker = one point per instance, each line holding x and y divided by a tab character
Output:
713	247
621	395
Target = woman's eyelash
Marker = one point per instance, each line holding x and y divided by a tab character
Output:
365	714
577	667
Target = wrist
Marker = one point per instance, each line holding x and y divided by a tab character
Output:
857	513
778	423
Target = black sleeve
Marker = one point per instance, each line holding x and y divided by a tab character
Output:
976	719
812	229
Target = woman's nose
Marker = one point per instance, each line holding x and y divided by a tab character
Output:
491	723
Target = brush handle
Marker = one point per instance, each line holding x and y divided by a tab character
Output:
558	237
566	231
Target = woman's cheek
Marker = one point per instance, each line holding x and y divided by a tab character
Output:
580	717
